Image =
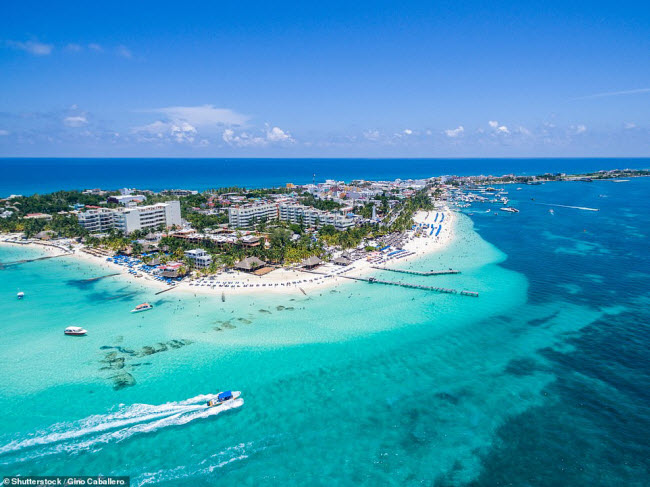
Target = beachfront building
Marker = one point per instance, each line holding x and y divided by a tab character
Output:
97	219
249	264
245	216
126	199
312	217
152	216
199	258
127	220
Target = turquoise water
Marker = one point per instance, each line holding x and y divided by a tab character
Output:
542	380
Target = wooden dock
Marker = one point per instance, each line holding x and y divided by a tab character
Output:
417	273
372	280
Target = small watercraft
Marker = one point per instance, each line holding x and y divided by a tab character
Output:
142	307
551	211
223	398
509	209
20	295
74	331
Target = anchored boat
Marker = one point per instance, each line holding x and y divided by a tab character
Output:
20	295
74	331
142	307
223	398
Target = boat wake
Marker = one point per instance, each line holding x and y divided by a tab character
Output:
567	206
97	430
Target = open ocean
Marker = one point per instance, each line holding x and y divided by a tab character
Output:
28	176
544	380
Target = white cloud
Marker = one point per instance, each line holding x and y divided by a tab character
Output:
629	125
579	129
371	134
276	134
124	52
4	132
33	47
204	115
455	132
74	47
272	135
182	132
75	121
615	93
408	131
500	129
95	47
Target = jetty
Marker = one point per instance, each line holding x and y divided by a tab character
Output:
417	273
25	261
100	277
373	280
165	290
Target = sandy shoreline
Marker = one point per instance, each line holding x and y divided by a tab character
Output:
281	281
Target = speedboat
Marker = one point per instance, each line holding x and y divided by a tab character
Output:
223	398
509	209
75	331
142	307
20	295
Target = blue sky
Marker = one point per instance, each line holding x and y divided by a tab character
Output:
367	79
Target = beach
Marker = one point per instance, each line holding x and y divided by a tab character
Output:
284	280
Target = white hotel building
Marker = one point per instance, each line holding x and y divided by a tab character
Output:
312	217
245	216
128	220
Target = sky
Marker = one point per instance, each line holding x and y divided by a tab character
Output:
325	79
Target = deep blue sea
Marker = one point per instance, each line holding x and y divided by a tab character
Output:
544	380
28	176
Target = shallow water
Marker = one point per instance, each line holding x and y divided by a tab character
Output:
542	380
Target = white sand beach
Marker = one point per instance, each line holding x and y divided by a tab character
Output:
289	280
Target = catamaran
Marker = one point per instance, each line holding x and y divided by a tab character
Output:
223	398
75	331
142	307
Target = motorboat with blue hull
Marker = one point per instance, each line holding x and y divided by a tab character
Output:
223	398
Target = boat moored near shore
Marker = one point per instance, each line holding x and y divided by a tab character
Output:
142	307
75	331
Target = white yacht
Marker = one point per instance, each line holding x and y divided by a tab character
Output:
75	331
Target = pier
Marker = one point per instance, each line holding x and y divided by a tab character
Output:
92	279
373	280
25	261
165	290
417	273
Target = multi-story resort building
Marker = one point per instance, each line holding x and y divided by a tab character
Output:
199	258
97	219
127	220
313	217
246	216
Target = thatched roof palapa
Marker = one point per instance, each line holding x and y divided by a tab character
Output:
342	261
249	264
312	261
